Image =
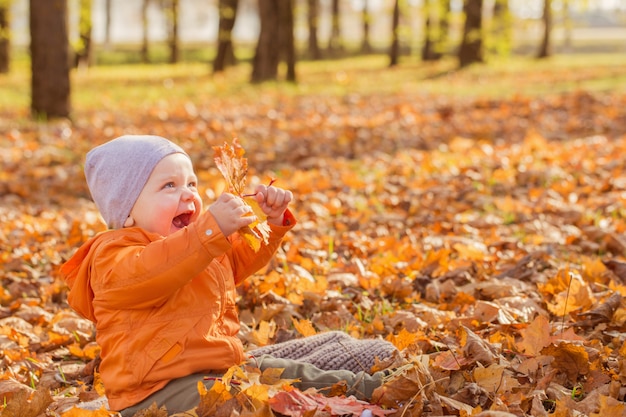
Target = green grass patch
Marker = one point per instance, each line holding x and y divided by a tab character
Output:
101	87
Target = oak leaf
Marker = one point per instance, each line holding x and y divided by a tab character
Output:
230	161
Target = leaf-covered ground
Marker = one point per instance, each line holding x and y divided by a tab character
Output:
483	236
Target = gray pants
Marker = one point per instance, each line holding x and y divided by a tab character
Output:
182	394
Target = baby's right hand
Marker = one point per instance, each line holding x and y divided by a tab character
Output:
231	214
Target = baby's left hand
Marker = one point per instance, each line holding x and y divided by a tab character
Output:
273	201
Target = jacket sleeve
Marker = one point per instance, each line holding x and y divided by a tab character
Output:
243	258
141	270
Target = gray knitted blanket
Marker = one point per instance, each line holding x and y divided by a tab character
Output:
331	351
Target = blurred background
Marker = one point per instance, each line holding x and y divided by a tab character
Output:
588	23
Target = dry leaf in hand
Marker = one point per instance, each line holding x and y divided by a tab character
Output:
231	162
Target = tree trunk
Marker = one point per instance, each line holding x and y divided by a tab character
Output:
313	21
428	47
394	51
544	48
50	66
225	53
145	39
275	40
471	50
436	27
5	50
287	40
172	14
334	42
83	51
107	23
366	46
567	23
441	46
502	27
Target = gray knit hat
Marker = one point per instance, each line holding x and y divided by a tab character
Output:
117	171
331	351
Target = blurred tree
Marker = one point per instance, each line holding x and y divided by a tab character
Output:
313	22
471	49
567	27
171	13
502	28
5	45
335	46
428	49
394	51
545	47
366	46
276	40
145	38
83	49
107	22
225	53
50	63
436	27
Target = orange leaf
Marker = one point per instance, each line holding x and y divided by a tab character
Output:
304	327
234	168
535	337
571	359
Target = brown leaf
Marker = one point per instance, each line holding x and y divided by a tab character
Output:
602	313
27	404
152	411
570	359
535	336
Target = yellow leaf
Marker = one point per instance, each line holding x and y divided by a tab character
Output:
304	327
264	333
535	337
98	385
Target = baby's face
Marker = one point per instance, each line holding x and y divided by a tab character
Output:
169	201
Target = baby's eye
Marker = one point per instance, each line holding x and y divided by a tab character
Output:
169	185
192	184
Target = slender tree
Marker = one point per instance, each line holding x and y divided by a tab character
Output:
445	11
428	49
225	53
287	39
83	49
567	26
107	22
276	40
145	38
335	46
436	27
172	18
471	50
502	28
5	48
313	23
545	47
366	46
50	64
394	51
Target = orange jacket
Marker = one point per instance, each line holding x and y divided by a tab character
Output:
163	307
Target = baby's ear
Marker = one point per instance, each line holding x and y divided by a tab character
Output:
130	222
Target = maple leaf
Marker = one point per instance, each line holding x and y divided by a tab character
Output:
212	399
230	161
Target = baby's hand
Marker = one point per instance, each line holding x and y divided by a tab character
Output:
273	201
231	213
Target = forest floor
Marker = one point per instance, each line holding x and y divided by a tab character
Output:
475	219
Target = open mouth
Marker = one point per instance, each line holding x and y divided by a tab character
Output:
182	220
